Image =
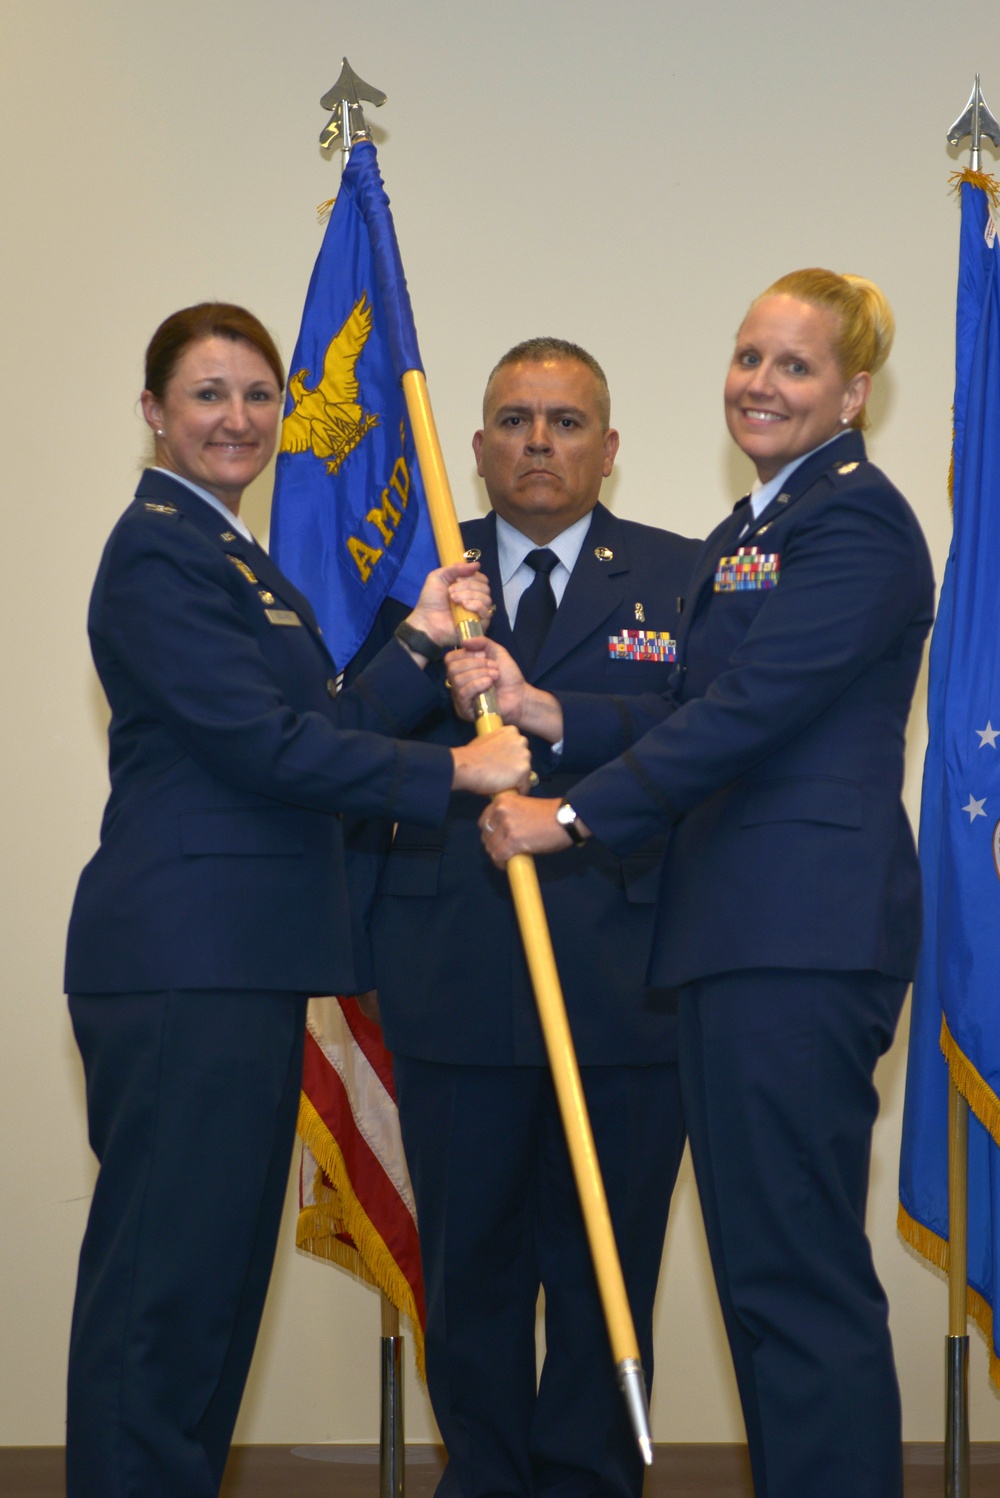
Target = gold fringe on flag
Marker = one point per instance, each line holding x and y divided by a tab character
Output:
978	1094
935	1249
982	180
339	1211
986	1106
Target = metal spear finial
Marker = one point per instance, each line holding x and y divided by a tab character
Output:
348	121
976	121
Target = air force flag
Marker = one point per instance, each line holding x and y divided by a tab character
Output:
955	1023
349	523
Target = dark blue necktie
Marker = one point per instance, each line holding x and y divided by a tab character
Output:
536	609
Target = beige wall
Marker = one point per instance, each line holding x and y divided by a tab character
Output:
627	176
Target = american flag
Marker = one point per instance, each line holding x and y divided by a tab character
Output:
355	1199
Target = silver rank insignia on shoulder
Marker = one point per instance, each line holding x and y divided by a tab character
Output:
265	596
473	554
847	468
161	509
282	616
640	614
604	553
228	536
241	566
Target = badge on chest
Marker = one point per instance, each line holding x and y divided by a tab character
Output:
749	571
642	645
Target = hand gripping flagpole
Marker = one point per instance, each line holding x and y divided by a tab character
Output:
975	121
349	124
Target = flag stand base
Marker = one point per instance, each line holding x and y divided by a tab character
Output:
956	1447
392	1440
392	1444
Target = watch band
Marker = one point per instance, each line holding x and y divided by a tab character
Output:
415	639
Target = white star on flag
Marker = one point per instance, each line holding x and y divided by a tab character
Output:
975	808
987	735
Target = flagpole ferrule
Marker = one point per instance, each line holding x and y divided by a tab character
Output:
632	1382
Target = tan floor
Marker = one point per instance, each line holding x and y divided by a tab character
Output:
352	1472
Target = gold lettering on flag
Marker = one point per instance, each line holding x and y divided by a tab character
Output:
385	517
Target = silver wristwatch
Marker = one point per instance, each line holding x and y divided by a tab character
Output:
567	818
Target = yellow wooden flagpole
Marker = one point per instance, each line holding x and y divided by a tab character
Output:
534	928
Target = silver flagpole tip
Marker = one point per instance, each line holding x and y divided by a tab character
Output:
632	1382
975	121
348	121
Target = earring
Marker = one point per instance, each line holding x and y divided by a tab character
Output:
843	422
159	431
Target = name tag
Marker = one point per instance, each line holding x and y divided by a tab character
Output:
642	645
748	571
282	616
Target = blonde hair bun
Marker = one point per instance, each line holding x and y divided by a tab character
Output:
879	313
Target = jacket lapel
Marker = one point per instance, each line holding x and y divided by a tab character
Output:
596	589
722	541
848	448
163	489
480	537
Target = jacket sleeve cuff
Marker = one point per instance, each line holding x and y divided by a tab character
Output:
398	690
422	789
622	806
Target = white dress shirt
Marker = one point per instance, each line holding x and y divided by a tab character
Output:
516	577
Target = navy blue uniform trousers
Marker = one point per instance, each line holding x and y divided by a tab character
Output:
776	1077
192	1099
492	1138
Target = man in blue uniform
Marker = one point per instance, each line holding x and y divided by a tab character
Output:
588	602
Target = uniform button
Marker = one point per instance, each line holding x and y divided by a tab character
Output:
331	686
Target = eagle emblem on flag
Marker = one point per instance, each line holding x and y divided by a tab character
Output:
328	419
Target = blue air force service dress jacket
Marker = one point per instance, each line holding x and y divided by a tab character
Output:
777	755
450	968
221	862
